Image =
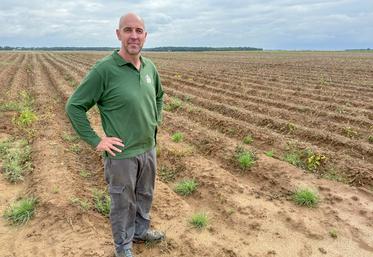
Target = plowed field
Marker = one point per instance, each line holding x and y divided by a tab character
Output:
309	120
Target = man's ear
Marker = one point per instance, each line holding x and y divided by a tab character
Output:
118	34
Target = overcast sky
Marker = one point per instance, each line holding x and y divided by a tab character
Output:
276	24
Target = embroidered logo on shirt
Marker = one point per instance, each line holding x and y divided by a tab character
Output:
148	79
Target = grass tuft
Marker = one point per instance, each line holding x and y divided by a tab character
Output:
248	139
186	187
177	137
84	204
70	138
16	156
306	197
174	104
199	220
370	139
85	173
333	233
270	153
245	159
167	174
25	118
102	202
21	211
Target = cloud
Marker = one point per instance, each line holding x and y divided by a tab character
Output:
273	24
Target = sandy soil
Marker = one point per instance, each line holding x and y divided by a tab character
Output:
250	213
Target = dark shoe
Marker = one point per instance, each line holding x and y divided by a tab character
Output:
125	253
150	236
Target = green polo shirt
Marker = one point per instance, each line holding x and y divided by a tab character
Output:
130	104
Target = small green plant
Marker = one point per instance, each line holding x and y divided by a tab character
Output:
26	100
370	139
4	146
75	148
186	187
350	132
10	106
70	138
270	153
16	160
21	211
290	127
85	173
305	197
102	202
174	104
199	220
248	139
55	189
177	137
333	233
294	158
332	174
167	174
84	204
231	211
313	160
245	159
25	118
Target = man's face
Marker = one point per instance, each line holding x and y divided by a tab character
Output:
132	35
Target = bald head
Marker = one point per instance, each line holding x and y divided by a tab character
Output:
128	18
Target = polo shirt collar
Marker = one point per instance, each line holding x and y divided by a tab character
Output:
121	62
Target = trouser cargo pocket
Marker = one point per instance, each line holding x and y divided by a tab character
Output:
118	197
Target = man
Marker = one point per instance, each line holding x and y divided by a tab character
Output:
127	90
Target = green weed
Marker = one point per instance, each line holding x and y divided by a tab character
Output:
270	153
305	197
55	189
174	104
370	139
21	211
70	138
4	146
177	137
313	160
306	159
290	127
245	159
25	118
350	132
331	174
294	158
248	139
16	160
85	173
167	174
186	187
84	204
199	220
333	233
10	106
75	148
102	202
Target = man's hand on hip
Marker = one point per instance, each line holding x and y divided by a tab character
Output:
108	144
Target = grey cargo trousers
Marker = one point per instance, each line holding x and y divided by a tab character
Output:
131	185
